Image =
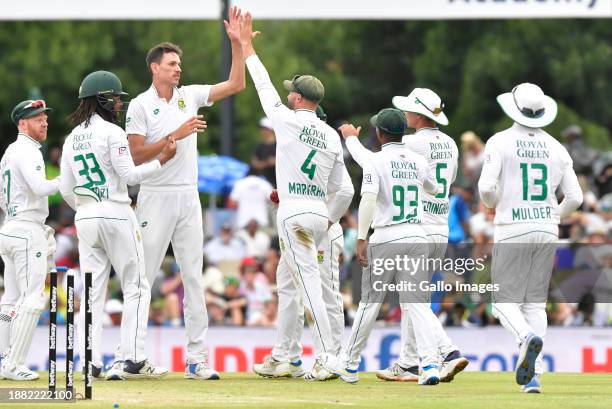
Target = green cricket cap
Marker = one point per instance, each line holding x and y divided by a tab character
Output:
27	109
390	120
306	85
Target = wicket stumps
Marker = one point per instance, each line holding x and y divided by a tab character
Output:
85	306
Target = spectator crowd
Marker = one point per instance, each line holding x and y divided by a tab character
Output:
242	253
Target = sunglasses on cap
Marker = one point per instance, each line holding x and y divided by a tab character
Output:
39	103
436	111
528	112
295	86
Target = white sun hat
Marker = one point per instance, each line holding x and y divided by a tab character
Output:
527	105
422	101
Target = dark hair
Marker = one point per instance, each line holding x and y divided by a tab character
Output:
156	52
87	108
391	137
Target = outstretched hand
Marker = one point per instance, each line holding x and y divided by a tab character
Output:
232	28
246	30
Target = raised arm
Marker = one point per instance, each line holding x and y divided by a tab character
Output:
351	138
236	81
270	100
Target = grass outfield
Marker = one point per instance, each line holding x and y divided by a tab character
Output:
468	390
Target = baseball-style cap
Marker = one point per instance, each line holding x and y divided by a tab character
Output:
390	120
306	85
27	109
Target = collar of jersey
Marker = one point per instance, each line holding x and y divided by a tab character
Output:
175	91
523	128
307	111
27	137
393	145
427	128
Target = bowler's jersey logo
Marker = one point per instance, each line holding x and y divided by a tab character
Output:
156	111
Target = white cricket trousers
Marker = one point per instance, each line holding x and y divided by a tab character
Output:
523	257
437	237
288	345
108	235
302	226
23	246
387	243
175	216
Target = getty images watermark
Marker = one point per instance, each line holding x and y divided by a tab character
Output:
404	266
503	272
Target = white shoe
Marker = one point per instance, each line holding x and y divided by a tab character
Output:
335	366
20	373
115	373
143	369
202	371
453	364
528	353
399	374
430	375
318	373
271	368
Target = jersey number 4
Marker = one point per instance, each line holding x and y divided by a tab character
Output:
542	181
309	168
89	171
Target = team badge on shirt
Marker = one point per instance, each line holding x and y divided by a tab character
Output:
181	103
367	178
122	150
320	256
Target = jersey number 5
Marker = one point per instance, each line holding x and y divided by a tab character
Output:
542	181
441	180
89	171
309	168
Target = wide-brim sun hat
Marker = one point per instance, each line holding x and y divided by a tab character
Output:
527	105
422	101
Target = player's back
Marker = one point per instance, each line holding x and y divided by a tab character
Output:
308	151
88	155
400	174
532	166
442	155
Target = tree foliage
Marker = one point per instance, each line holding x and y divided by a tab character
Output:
362	64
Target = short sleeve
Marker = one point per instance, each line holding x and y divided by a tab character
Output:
136	119
370	182
199	94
